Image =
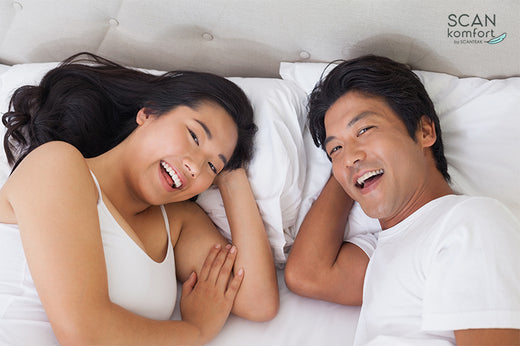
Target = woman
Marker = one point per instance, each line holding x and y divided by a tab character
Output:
98	200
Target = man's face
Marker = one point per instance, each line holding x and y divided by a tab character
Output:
374	158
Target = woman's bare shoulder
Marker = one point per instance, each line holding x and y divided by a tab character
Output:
185	210
63	149
50	166
52	155
186	215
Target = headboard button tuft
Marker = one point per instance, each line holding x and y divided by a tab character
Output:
207	36
304	55
17	6
113	22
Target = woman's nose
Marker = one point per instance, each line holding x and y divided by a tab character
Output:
193	165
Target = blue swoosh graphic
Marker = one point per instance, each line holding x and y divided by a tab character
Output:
497	39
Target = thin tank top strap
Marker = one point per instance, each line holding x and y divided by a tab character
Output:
166	221
97	185
163	210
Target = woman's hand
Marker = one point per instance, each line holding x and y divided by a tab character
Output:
229	176
206	301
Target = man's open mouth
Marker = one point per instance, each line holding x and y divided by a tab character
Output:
368	177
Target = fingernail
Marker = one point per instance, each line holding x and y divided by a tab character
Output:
240	272
233	249
217	246
228	246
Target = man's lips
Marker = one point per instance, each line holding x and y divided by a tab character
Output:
367	177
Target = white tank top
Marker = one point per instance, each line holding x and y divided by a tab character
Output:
136	282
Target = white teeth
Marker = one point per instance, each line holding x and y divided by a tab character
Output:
361	180
173	175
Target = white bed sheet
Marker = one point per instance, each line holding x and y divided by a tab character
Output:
300	321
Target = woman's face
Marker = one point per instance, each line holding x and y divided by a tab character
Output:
183	150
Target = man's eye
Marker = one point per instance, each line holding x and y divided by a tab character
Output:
194	136
212	167
333	150
363	130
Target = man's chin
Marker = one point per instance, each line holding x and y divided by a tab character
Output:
374	212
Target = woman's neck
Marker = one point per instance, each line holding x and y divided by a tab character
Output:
109	169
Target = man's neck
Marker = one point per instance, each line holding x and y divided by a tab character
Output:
435	187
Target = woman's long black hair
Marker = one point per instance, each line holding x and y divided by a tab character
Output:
92	103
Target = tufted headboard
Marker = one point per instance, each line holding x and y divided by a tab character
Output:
251	37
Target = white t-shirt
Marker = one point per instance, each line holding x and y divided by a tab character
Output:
453	264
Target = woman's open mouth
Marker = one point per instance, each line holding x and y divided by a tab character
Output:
173	179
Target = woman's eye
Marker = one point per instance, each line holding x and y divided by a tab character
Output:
213	168
194	136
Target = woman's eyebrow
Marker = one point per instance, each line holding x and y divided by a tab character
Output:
223	158
206	129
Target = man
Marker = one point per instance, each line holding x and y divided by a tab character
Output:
445	268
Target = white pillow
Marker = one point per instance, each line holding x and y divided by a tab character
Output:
277	171
480	122
304	74
360	229
4	68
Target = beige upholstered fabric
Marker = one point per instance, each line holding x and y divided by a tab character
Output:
251	37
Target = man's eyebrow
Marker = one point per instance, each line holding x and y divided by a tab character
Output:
351	123
360	116
206	129
328	139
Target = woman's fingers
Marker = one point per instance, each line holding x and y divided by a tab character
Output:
218	268
207	302
217	264
208	263
188	285
226	268
234	285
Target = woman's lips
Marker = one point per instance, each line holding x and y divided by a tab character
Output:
171	175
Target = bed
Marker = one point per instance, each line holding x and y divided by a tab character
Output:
466	52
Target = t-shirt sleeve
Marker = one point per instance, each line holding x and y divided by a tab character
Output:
474	277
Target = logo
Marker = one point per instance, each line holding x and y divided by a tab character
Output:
466	28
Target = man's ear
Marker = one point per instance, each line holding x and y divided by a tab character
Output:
142	116
426	132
